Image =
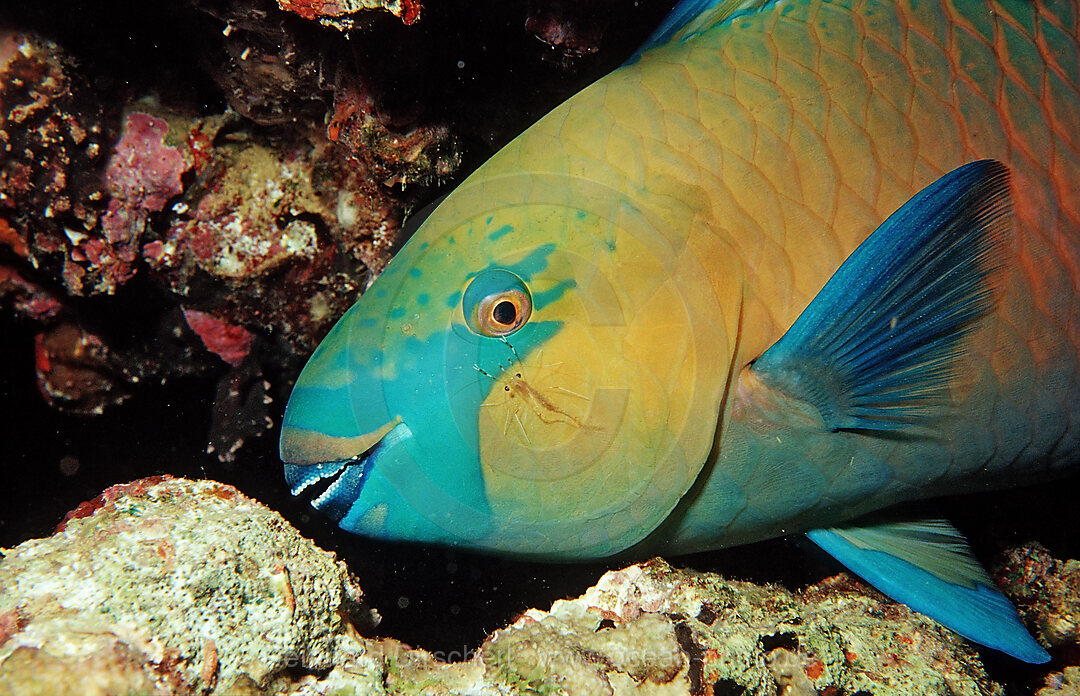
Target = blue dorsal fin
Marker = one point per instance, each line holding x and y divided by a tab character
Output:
875	349
928	566
690	17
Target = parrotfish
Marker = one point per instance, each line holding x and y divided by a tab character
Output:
794	263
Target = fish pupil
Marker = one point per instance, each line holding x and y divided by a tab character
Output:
504	312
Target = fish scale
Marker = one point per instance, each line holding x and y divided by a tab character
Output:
792	264
868	144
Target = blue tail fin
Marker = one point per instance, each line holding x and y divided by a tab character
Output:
928	566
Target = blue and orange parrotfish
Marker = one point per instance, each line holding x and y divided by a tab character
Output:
795	262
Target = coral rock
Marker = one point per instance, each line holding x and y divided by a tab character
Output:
267	247
425	155
251	220
240	411
51	137
1046	592
52	179
650	629
268	72
169	586
156	199
333	12
790	674
10	238
836	637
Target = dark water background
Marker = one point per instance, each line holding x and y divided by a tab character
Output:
442	600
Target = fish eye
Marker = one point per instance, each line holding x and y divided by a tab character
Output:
496	303
505	313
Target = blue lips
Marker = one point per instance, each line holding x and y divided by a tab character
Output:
300	478
347	477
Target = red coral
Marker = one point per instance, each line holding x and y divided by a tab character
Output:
156	253
410	11
229	342
309	9
144	172
407	10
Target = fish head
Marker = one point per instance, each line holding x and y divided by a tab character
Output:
520	379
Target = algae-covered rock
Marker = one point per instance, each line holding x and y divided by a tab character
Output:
168	586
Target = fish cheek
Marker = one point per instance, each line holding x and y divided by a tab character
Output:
591	438
572	465
550	425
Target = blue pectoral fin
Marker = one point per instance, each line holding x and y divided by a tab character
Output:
876	347
928	566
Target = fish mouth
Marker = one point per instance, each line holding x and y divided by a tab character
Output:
334	483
